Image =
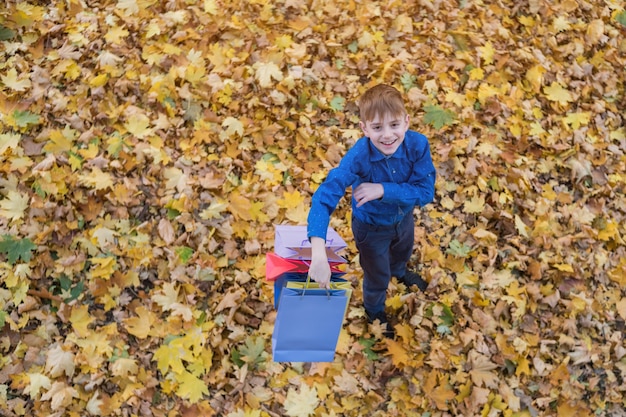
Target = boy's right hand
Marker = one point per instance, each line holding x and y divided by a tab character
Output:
319	271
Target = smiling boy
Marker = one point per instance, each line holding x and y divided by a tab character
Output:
390	171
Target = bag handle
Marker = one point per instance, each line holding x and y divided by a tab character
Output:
308	281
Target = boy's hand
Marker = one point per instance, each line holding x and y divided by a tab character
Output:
368	191
319	271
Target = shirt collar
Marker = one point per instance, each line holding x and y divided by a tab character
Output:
376	155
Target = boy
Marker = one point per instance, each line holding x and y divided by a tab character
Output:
391	171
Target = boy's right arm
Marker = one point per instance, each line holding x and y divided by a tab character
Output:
319	271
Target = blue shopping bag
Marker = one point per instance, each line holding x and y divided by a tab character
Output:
281	282
308	324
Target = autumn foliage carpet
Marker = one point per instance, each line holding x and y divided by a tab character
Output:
148	147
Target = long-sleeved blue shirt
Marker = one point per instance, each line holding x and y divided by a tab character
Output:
407	176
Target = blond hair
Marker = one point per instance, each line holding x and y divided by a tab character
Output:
381	100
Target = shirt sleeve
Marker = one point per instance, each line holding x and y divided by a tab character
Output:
419	189
328	194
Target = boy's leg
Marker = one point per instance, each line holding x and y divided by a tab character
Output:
373	245
402	246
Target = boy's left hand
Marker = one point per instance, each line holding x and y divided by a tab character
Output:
368	191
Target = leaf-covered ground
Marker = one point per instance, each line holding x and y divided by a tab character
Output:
147	148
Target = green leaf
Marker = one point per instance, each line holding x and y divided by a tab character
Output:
25	118
438	117
184	253
3	316
16	249
235	357
367	348
458	249
621	18
337	103
253	350
408	81
6	33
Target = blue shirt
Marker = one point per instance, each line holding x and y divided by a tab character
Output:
407	176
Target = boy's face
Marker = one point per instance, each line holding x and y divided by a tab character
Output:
386	133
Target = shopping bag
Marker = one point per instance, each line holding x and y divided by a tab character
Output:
291	242
275	266
308	324
335	284
301	277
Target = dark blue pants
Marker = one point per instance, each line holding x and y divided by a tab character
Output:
383	253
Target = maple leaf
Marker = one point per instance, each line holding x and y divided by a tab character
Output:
556	92
15	83
265	72
97	179
437	388
9	141
575	120
37	381
13	205
337	103
141	325
481	370
16	248
215	209
138	125
303	403
191	387
438	117
399	354
81	319
24	118
60	394
60	361
486	53
232	126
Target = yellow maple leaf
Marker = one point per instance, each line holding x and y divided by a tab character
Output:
60	362
437	388
535	77
399	354
123	367
298	214
60	395
169	356
240	206
215	209
290	199
211	7
37	381
60	141
232	126
521	227
14	205
81	319
575	120
474	205
9	141
301	404
487	53
141	325
191	387
96	179
394	302
15	82
560	24
265	72
556	92
138	125
103	267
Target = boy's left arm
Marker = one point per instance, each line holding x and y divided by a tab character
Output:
420	187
